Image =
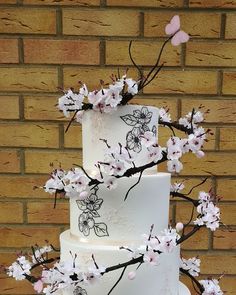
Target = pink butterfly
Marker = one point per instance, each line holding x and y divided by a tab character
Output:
173	28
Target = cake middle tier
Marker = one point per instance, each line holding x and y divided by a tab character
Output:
105	216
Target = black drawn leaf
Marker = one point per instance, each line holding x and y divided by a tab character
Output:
81	205
100	229
130	120
144	128
95	213
154	130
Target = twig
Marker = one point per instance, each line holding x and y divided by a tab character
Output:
140	175
121	276
200	287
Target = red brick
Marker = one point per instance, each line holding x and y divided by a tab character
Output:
22	20
9	107
203	25
42	212
9	161
29	135
91	76
229	83
228	213
61	51
63	2
6	208
226	188
9	51
147	3
144	53
227	138
230	31
28	79
183	82
23	186
220	54
42	108
198	241
213	163
39	161
221	111
28	236
225	238
213	3
8	1
100	22
73	137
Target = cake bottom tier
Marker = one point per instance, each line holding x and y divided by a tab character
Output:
162	279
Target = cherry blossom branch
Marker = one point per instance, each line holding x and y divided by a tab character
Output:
136	183
185	197
119	279
188	235
199	286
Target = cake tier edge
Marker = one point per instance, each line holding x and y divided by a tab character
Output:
161	279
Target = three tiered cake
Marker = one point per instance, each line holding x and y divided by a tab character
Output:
104	221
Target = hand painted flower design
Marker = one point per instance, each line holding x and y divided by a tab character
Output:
133	140
139	120
93	202
143	116
89	207
79	291
86	223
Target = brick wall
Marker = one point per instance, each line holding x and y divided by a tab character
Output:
45	44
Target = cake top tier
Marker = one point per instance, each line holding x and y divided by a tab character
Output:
126	126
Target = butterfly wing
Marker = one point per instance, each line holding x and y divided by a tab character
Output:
173	26
179	37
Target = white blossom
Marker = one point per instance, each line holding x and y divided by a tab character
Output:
211	287
148	139
209	213
174	166
164	115
155	153
192	265
56	182
19	268
177	187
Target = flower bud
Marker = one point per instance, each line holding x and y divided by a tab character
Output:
179	226
83	195
131	275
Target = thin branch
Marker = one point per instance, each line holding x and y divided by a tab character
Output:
121	276
134	63
158	59
188	235
197	185
71	120
185	197
140	175
200	287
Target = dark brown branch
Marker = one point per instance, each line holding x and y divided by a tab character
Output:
199	286
183	196
157	62
176	125
134	63
136	183
121	276
188	235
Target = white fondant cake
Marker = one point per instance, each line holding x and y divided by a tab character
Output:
113	222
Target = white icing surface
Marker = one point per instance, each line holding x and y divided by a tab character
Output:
162	279
147	204
111	127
